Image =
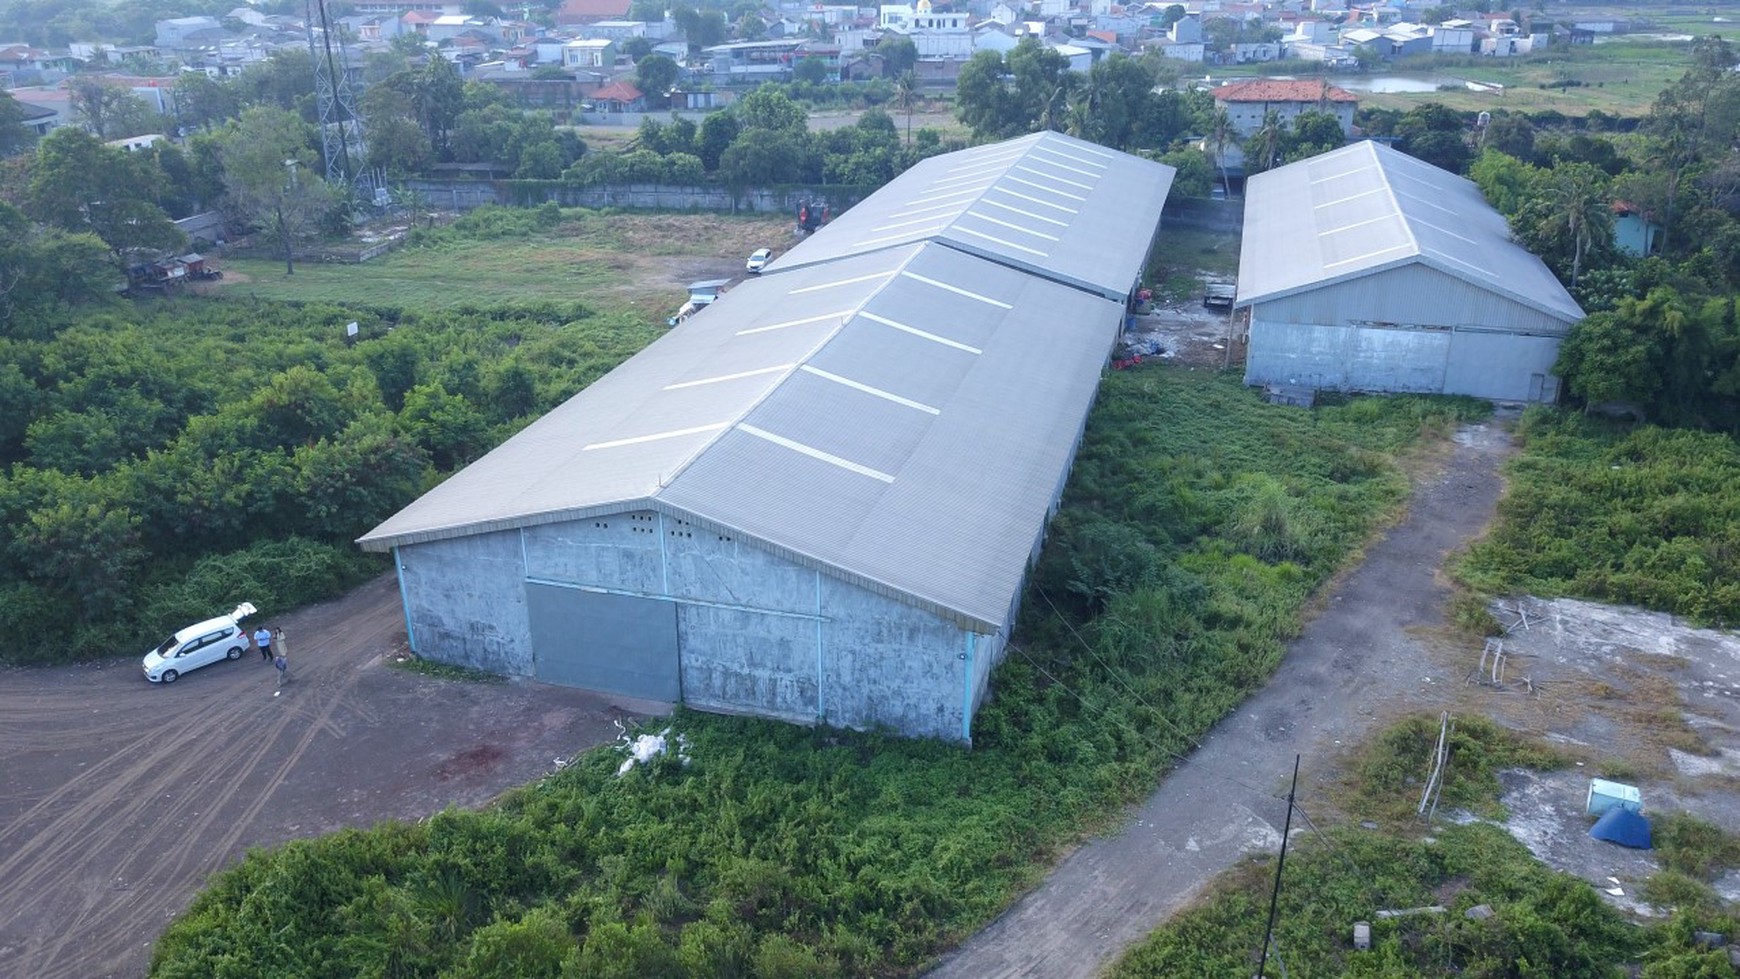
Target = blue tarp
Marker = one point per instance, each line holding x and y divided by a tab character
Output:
1622	826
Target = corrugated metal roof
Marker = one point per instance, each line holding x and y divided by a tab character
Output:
898	414
900	417
1048	204
1364	208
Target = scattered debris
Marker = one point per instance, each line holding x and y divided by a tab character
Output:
1480	912
1604	795
643	749
1362	936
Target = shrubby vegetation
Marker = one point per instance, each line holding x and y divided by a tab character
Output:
164	462
1544	923
1196	525
762	140
1640	516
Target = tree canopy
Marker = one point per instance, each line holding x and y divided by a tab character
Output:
78	184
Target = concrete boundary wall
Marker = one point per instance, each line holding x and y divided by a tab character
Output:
463	195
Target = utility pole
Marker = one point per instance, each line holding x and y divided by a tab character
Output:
1275	897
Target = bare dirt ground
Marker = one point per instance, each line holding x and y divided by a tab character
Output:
118	797
1187	333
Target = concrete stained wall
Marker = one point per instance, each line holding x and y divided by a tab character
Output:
1411	329
757	633
1416	295
465	602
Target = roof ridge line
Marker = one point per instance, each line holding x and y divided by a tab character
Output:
1390	192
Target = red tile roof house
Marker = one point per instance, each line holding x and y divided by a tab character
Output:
1247	103
590	11
619	97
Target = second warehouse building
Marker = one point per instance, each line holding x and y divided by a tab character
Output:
817	499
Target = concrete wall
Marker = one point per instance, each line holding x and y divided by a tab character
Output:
757	633
465	602
1411	329
1414	295
463	195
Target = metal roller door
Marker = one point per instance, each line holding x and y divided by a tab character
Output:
617	643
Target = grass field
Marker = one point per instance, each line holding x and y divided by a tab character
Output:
643	259
1620	78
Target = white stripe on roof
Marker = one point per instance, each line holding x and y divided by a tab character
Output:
1025	214
1053	176
962	179
903	224
1003	241
1357	224
1049	190
915	331
970	191
840	282
867	389
957	290
842	314
815	453
1008	224
730	377
1404	246
906	236
1350	197
1065	166
1025	197
999	159
657	437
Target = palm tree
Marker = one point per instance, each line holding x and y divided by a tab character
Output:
1222	135
905	94
1265	143
1579	214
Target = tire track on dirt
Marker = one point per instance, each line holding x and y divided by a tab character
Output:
122	803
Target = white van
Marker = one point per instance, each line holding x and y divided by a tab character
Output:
199	645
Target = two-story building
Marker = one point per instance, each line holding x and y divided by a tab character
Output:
1248	103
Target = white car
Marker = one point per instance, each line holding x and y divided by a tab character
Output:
758	260
199	645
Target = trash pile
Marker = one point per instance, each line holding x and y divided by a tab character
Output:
646	747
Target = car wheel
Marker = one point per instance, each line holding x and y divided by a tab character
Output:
169	676
234	653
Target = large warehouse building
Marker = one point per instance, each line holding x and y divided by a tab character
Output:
818	498
1365	269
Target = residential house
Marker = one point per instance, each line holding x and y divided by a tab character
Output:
589	53
1634	230
619	96
1248	103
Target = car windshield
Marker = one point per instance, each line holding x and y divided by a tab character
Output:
163	650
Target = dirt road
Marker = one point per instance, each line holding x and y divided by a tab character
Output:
1354	662
119	797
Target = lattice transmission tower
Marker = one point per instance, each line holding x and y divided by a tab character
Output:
340	124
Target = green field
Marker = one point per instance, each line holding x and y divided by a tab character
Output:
643	260
1620	78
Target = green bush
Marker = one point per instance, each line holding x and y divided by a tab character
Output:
243	446
782	850
1640	516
